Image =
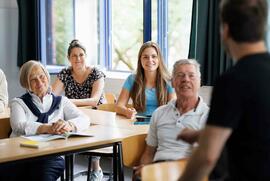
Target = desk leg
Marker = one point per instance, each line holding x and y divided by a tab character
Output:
115	158
120	162
69	167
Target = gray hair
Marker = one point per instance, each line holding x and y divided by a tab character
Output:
187	62
26	70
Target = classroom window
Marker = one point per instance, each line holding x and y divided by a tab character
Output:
67	20
127	33
112	30
179	28
59	18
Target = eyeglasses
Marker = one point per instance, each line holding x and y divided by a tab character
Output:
36	78
191	76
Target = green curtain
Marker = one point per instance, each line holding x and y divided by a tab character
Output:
205	42
29	31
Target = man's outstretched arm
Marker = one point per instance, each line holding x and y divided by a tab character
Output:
202	161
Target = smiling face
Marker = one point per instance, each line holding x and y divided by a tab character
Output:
77	58
38	82
186	81
149	59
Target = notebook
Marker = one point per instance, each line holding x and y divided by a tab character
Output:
48	137
33	144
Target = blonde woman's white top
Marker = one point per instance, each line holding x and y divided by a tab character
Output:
24	122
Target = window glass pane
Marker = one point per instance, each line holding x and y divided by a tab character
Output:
67	20
179	27
127	33
86	23
59	30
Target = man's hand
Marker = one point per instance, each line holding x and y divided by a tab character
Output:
189	135
137	170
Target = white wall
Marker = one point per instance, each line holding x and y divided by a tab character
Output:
8	45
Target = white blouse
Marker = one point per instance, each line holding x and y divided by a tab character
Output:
24	122
3	91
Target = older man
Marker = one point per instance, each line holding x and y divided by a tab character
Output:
187	111
239	114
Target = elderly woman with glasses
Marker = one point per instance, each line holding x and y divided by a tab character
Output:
39	111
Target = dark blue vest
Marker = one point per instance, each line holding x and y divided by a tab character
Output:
42	117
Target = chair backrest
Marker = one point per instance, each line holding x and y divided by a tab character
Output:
169	171
106	107
5	128
110	97
109	107
133	148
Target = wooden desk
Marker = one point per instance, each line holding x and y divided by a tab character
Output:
169	171
10	151
5	124
108	130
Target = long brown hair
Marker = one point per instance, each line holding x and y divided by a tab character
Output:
137	93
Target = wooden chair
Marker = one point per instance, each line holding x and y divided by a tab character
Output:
110	107
107	107
110	97
103	152
5	129
132	149
169	171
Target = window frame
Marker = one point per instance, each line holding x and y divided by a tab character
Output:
105	31
162	13
52	69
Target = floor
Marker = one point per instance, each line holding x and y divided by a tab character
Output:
105	163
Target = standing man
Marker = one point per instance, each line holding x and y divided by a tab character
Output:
240	106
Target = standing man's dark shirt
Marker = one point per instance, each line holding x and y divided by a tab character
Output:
244	92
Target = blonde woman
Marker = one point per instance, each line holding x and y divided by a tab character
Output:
150	87
39	111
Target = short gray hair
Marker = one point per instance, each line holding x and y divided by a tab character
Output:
25	72
186	62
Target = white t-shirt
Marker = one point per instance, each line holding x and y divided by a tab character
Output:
167	122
